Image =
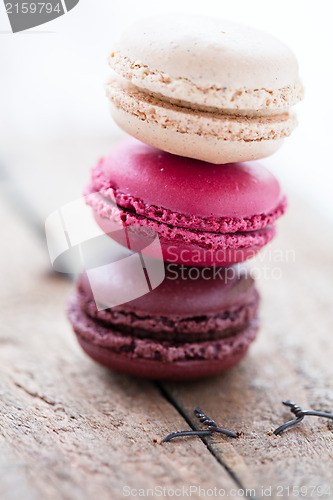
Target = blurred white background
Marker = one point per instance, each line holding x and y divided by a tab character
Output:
52	80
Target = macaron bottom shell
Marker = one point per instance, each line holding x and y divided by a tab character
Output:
231	350
187	247
203	147
144	368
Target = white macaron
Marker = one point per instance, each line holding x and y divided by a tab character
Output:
204	88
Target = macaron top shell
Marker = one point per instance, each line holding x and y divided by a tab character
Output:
184	292
206	61
185	185
217	51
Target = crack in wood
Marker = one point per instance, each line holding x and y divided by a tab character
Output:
226	457
37	395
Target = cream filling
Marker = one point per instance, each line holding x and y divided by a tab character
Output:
151	109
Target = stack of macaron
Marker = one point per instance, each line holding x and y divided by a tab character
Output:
203	100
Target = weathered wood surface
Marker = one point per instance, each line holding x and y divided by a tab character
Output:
71	429
291	359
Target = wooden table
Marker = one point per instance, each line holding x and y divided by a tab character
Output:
70	429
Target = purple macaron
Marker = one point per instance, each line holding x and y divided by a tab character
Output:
197	323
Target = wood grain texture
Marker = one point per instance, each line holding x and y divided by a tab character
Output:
291	359
71	429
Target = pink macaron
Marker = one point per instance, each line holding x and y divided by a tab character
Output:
204	214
